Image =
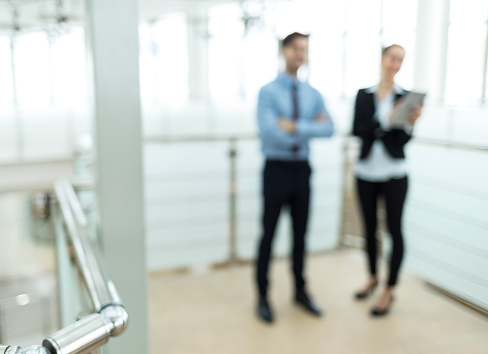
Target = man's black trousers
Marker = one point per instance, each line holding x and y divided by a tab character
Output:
286	185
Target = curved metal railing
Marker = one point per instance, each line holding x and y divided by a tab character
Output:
109	317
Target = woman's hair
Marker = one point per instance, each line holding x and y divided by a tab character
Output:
385	50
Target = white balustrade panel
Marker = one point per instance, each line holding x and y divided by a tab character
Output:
446	221
188	202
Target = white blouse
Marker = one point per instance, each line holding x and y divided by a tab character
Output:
379	165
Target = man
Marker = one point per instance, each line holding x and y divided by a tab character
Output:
290	113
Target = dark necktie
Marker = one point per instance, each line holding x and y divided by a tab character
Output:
294	96
296	112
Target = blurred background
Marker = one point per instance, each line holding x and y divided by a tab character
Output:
201	65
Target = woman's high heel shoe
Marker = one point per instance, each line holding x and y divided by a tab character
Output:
378	313
361	295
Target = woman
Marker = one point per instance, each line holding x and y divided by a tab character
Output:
381	169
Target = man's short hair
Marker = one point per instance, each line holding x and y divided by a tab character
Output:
385	50
291	37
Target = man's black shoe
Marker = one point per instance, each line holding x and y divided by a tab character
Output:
302	299
264	310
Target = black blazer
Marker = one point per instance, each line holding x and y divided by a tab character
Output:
369	129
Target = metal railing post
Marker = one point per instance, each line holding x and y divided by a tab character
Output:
1	327
345	170
233	190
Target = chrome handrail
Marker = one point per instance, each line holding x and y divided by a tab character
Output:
168	139
35	349
99	285
450	144
110	318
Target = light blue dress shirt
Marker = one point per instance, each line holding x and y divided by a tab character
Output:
275	102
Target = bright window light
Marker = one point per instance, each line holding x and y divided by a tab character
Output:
69	72
31	57
466	48
164	61
6	87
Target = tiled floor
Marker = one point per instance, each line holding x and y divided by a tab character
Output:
213	312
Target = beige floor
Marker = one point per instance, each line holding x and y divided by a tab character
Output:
213	312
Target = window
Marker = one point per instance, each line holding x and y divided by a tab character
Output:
466	51
6	86
344	51
164	61
69	72
49	70
327	48
226	53
486	76
32	76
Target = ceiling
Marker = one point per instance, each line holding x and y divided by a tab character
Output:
28	15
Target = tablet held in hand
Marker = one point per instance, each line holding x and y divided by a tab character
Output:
411	101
